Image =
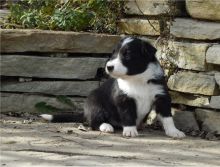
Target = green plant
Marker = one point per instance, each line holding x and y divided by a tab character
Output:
73	15
43	107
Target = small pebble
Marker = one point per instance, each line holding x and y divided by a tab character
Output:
82	128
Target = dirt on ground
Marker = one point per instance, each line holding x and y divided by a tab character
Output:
34	143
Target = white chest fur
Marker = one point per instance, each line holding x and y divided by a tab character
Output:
143	92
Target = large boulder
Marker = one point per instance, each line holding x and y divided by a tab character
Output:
204	9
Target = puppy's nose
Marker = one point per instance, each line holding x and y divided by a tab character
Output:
110	68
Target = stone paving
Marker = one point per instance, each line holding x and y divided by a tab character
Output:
35	143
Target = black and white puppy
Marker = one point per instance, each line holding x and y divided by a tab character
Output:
137	86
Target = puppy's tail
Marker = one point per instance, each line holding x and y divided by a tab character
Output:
65	117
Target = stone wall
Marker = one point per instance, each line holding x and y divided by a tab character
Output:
187	35
37	66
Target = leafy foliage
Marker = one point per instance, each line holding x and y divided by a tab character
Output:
43	107
65	100
73	15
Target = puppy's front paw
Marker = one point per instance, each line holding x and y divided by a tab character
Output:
105	127
175	133
130	131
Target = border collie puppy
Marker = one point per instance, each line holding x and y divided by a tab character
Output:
137	86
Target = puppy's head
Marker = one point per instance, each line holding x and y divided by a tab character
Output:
130	57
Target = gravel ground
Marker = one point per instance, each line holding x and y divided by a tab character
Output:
36	143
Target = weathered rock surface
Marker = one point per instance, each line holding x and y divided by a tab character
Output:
21	103
217	78
50	67
139	26
152	7
209	120
189	99
215	102
185	120
42	144
56	41
204	9
188	55
194	29
190	82
52	87
213	54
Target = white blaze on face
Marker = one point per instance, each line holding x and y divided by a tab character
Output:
127	40
119	68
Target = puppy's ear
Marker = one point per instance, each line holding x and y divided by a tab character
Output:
149	51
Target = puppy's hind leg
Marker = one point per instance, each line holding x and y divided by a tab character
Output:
98	118
163	109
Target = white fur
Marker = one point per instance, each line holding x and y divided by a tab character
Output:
130	131
47	117
143	92
119	69
170	128
126	41
105	127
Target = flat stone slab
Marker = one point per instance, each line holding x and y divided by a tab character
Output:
213	54
204	9
189	82
217	78
194	29
25	103
76	88
188	55
209	120
152	7
189	99
42	144
56	41
134	26
51	67
215	102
